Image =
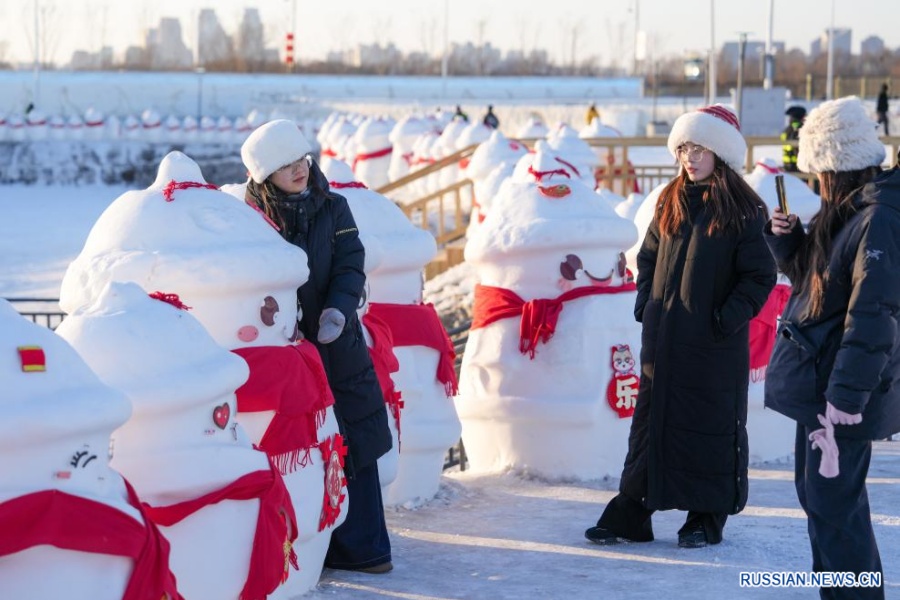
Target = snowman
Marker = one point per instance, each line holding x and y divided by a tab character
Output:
223	259
496	151
548	380
533	128
425	378
373	152
576	152
403	136
95	125
72	527
182	449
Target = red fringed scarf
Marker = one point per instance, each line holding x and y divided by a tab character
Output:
169	190
382	353
763	328
291	381
55	518
538	317
276	527
419	325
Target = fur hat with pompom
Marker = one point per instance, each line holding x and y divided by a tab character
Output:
838	135
715	128
272	146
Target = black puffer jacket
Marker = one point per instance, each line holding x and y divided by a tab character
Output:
322	225
696	295
850	355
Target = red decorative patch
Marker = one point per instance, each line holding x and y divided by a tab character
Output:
221	415
622	391
555	191
333	453
32	359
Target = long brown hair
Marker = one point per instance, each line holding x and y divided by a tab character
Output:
808	269
730	199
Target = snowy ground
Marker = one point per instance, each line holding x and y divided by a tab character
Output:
503	536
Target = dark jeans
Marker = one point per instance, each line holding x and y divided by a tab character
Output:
628	518
837	511
362	540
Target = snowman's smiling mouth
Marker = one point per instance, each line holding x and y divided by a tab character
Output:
572	267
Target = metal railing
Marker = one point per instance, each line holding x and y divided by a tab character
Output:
43	311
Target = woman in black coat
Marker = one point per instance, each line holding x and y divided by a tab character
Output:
288	186
835	365
703	272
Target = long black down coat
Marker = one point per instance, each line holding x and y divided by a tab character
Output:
850	354
696	295
320	222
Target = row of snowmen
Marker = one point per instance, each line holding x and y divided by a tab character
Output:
148	126
550	373
181	431
382	150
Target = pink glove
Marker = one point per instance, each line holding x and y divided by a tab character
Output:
823	439
838	417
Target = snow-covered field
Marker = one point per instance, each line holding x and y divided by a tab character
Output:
508	535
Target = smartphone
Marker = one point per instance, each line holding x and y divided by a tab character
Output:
782	197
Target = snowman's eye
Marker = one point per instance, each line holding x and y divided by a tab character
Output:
268	310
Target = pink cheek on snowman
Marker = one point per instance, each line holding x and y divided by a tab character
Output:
248	333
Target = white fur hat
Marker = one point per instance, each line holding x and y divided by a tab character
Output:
839	136
715	128
272	146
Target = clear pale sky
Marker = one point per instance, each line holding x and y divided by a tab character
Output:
603	28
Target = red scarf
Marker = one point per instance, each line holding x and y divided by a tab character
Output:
276	527
385	362
291	381
762	331
55	518
419	325
370	155
538	317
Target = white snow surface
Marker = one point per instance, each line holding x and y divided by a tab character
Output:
506	535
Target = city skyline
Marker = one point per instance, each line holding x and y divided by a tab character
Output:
576	29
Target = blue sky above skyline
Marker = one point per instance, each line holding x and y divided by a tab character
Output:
598	27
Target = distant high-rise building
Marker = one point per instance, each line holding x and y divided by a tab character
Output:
842	39
249	44
165	47
872	45
214	45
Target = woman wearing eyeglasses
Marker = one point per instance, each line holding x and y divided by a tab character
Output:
704	271
288	186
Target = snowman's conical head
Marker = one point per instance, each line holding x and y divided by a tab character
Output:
172	362
536	227
572	148
180	236
498	149
56	411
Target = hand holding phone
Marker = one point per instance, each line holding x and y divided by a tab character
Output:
782	197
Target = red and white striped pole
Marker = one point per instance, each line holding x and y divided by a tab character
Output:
289	51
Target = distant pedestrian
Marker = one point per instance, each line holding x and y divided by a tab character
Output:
791	133
592	113
882	107
490	119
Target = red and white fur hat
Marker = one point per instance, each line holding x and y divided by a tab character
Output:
715	128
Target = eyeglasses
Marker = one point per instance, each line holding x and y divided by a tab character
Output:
294	166
692	153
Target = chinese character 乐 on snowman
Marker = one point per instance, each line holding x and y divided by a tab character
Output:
428	424
183	449
548	380
225	261
72	527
